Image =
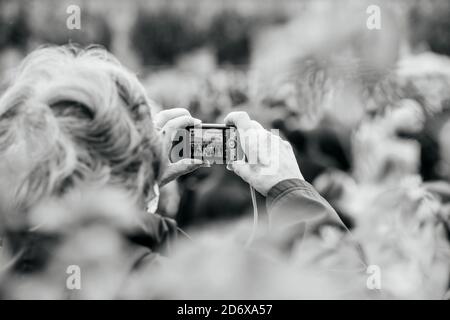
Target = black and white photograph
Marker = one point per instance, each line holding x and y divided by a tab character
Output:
224	154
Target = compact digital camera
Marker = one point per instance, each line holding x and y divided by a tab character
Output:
215	143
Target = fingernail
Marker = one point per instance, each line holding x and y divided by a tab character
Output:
206	164
230	166
196	122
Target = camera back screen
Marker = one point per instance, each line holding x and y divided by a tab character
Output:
217	145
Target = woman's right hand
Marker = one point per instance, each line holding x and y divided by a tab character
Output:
270	159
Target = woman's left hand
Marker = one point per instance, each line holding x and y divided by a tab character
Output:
168	123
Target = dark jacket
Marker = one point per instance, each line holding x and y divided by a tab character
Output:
295	202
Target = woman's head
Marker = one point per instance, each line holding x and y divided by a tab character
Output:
72	116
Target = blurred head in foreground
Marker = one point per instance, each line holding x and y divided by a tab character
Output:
76	131
70	117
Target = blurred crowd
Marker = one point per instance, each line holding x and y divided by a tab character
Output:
367	112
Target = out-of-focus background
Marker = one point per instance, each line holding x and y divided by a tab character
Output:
367	111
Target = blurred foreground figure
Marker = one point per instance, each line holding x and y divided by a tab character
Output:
71	119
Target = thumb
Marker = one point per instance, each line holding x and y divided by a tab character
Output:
180	168
185	165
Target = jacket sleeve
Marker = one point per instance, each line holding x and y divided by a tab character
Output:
296	209
294	203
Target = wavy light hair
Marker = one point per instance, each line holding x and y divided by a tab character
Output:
76	115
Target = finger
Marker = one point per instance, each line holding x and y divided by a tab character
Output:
186	165
181	123
206	163
240	119
241	168
257	125
248	133
266	148
180	168
162	117
248	140
252	146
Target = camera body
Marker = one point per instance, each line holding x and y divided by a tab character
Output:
214	143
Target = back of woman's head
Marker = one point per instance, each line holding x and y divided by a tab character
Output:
73	116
